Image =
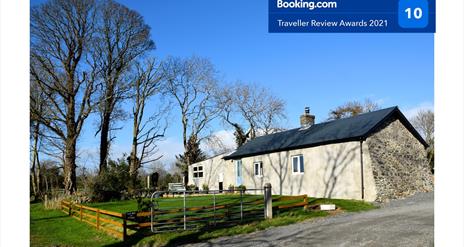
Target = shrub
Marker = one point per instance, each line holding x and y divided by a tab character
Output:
191	187
205	188
241	187
111	183
143	204
54	202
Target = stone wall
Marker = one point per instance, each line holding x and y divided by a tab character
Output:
399	162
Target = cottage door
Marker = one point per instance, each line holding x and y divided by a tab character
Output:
221	187
221	181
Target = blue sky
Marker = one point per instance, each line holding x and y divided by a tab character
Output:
317	70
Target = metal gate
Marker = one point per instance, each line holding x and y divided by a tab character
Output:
175	211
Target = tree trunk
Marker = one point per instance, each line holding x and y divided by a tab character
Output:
69	165
104	142
46	183
36	162
34	188
186	156
133	164
105	124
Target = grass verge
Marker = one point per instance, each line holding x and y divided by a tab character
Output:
52	227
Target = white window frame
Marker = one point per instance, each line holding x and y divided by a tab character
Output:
260	168
197	170
299	158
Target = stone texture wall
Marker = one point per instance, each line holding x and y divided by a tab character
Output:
399	162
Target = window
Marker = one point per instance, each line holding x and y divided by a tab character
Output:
298	164
238	172
258	169
239	168
198	171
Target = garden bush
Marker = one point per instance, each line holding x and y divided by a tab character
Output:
112	183
205	188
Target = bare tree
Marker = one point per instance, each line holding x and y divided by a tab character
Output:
35	161
61	31
353	108
250	109
424	123
370	105
191	83
146	131
215	145
37	102
121	37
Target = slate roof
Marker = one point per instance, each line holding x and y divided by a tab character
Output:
355	128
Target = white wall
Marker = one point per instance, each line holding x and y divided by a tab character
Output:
215	170
330	171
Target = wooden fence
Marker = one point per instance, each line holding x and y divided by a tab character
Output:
110	222
117	224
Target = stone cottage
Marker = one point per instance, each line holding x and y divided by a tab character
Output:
374	156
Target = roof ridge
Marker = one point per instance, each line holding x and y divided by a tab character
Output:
333	120
360	114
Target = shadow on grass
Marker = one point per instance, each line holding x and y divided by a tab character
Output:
51	218
195	235
132	239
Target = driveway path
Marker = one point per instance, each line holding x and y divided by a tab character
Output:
407	222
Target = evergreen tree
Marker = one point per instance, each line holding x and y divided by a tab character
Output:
193	154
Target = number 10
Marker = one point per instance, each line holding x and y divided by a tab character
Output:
417	13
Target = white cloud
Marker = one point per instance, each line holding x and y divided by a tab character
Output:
218	142
412	111
169	148
227	137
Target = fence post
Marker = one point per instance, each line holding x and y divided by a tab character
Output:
267	201
81	212
124	227
214	208
185	217
241	205
98	218
70	208
306	203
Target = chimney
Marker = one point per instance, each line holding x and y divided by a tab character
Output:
306	120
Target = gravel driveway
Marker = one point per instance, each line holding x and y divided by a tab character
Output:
407	222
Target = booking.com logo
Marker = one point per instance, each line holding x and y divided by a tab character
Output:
301	4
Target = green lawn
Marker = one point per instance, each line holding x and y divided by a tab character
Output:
194	201
172	202
52	227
